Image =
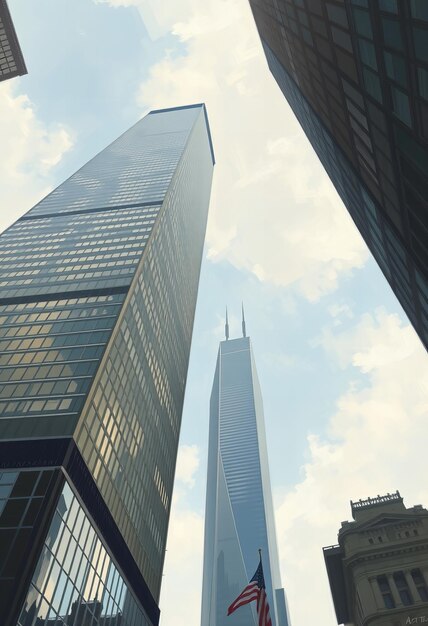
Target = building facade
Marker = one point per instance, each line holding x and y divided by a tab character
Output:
355	73
378	572
11	60
97	298
239	516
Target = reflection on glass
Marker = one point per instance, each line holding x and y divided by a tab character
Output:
75	587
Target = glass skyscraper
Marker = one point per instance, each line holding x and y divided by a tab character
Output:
97	298
355	73
239	517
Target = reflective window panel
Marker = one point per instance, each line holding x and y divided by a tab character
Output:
24	500
76	582
49	353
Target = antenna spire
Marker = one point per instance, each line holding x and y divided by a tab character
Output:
244	328
226	327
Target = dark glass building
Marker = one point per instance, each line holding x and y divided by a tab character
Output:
239	517
355	73
11	59
97	296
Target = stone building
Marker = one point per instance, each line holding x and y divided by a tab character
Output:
378	572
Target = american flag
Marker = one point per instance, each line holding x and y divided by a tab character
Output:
255	590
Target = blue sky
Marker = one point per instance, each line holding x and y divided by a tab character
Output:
343	375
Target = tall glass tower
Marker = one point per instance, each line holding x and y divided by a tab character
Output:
239	516
355	73
98	291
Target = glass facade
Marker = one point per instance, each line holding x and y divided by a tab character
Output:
239	510
97	296
95	250
76	582
356	86
128	432
23	497
49	353
11	59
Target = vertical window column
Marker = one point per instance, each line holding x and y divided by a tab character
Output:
375	585
393	588
403	588
389	600
411	585
417	585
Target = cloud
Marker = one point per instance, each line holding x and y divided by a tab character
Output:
182	583
396	343
274	211
376	443
30	152
158	17
187	464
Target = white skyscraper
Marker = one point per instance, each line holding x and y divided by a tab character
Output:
239	512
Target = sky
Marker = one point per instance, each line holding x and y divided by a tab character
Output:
344	376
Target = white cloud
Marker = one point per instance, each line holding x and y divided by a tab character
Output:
376	443
187	464
30	151
396	342
273	211
182	583
158	17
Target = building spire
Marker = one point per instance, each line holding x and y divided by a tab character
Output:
226	327
244	328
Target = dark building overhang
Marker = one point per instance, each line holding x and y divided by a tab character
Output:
12	41
333	556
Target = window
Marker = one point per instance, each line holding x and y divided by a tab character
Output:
363	23
412	149
389	6
392	33
401	105
367	53
385	590
319	26
341	38
423	82
353	93
403	588
337	14
307	36
419	9
372	83
395	68
420	584
420	37
303	18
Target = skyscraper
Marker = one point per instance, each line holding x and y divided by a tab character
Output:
98	291
355	73
379	571
239	516
11	60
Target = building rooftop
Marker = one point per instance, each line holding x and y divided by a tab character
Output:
389	498
191	106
